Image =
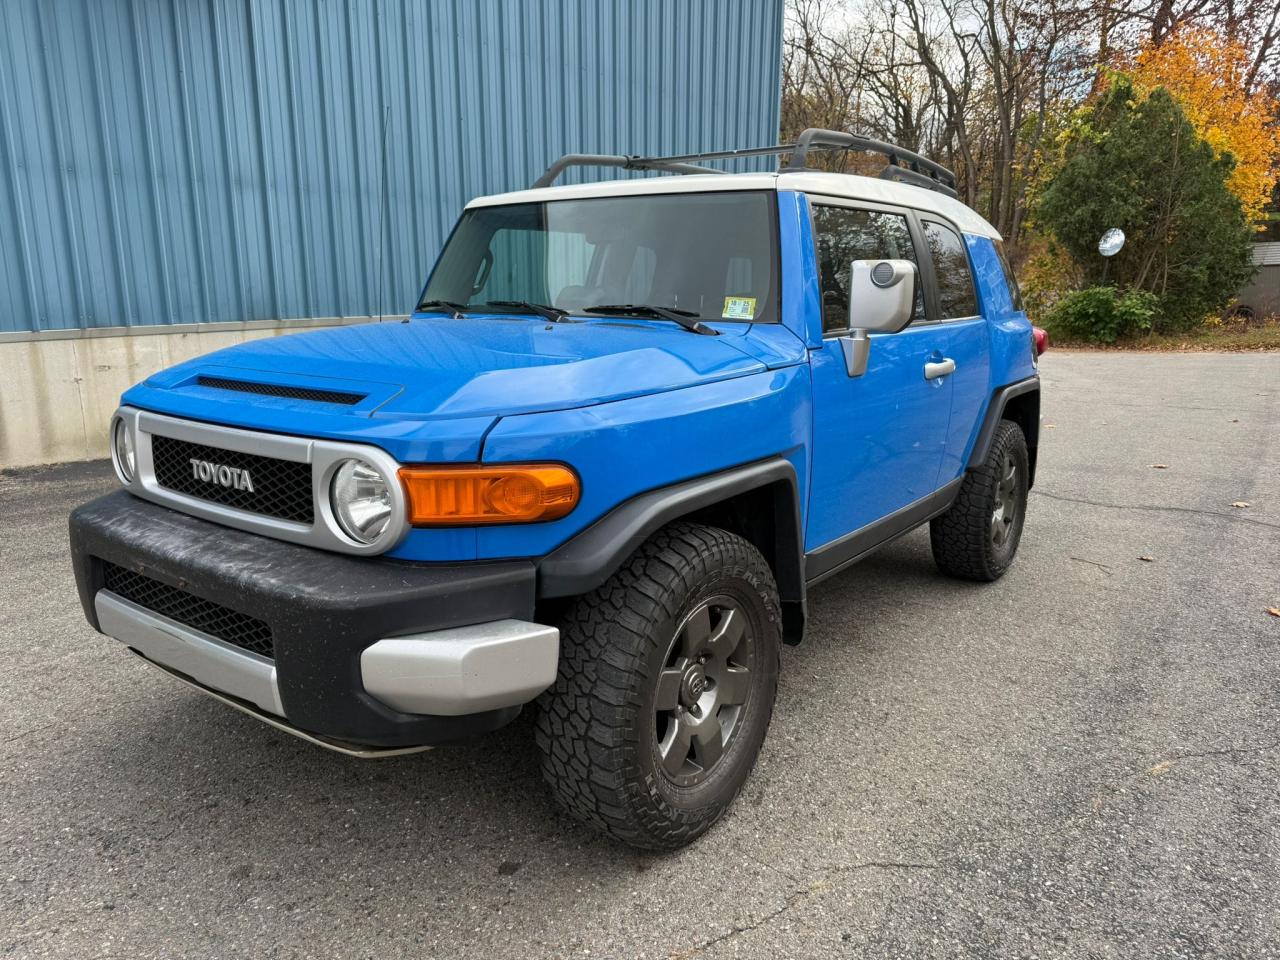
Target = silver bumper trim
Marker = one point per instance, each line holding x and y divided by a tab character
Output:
204	658
337	746
463	670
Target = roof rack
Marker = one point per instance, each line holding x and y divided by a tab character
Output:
608	160
905	166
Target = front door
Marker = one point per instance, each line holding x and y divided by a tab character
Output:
879	438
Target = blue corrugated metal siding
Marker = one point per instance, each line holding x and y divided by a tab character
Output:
187	161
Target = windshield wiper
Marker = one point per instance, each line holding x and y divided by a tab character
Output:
685	318
554	314
434	306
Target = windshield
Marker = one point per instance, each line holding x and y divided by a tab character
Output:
710	254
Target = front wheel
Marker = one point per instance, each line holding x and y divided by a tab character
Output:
976	539
668	674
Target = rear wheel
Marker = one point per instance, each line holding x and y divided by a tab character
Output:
977	538
668	674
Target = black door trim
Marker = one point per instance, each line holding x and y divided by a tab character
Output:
852	547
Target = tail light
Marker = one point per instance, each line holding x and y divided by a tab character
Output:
1040	339
468	495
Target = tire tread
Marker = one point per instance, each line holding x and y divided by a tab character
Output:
960	538
587	720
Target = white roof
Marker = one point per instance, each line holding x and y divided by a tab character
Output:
844	185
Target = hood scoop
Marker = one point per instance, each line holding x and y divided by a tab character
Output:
314	394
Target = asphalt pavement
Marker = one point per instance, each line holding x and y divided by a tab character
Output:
1077	761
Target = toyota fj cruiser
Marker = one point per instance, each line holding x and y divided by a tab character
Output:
626	428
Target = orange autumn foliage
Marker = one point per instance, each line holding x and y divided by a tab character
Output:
1205	71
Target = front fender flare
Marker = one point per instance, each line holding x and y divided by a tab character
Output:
587	560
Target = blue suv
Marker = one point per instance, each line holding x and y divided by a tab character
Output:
626	428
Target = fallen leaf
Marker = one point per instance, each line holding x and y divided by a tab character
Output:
1161	767
1274	611
1240	504
1234	420
1147	559
1050	426
1159	466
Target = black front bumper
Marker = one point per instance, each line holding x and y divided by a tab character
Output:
323	608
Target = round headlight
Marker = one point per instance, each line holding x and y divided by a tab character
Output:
122	451
361	500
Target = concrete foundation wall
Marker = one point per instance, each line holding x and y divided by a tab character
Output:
57	395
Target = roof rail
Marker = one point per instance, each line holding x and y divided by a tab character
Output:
610	160
905	166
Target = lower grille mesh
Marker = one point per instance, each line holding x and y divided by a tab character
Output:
280	488
206	616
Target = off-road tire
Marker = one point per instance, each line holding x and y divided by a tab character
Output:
963	540
596	726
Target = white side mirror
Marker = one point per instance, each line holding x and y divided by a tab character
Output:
882	297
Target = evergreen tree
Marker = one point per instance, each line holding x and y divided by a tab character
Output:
1136	163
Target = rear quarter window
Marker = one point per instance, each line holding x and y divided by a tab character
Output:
956	296
1015	292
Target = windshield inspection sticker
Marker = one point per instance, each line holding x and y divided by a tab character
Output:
739	308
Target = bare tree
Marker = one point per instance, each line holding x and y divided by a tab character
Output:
983	85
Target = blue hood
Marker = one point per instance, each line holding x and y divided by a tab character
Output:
459	374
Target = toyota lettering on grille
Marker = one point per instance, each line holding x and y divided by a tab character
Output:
233	478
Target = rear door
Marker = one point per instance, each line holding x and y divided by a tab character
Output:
962	336
878	439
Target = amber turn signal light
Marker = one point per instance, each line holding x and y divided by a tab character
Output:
467	495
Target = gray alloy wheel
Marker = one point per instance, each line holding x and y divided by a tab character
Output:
699	701
668	673
1005	515
977	538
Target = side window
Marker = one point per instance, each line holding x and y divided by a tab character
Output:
842	235
1015	292
951	267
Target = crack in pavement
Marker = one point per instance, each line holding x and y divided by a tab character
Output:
1225	752
795	896
1108	790
776	869
790	901
1158	508
22	735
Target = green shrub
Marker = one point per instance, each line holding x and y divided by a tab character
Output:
1102	314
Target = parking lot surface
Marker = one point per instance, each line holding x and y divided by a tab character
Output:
1077	761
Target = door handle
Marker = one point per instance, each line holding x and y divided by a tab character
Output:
940	368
